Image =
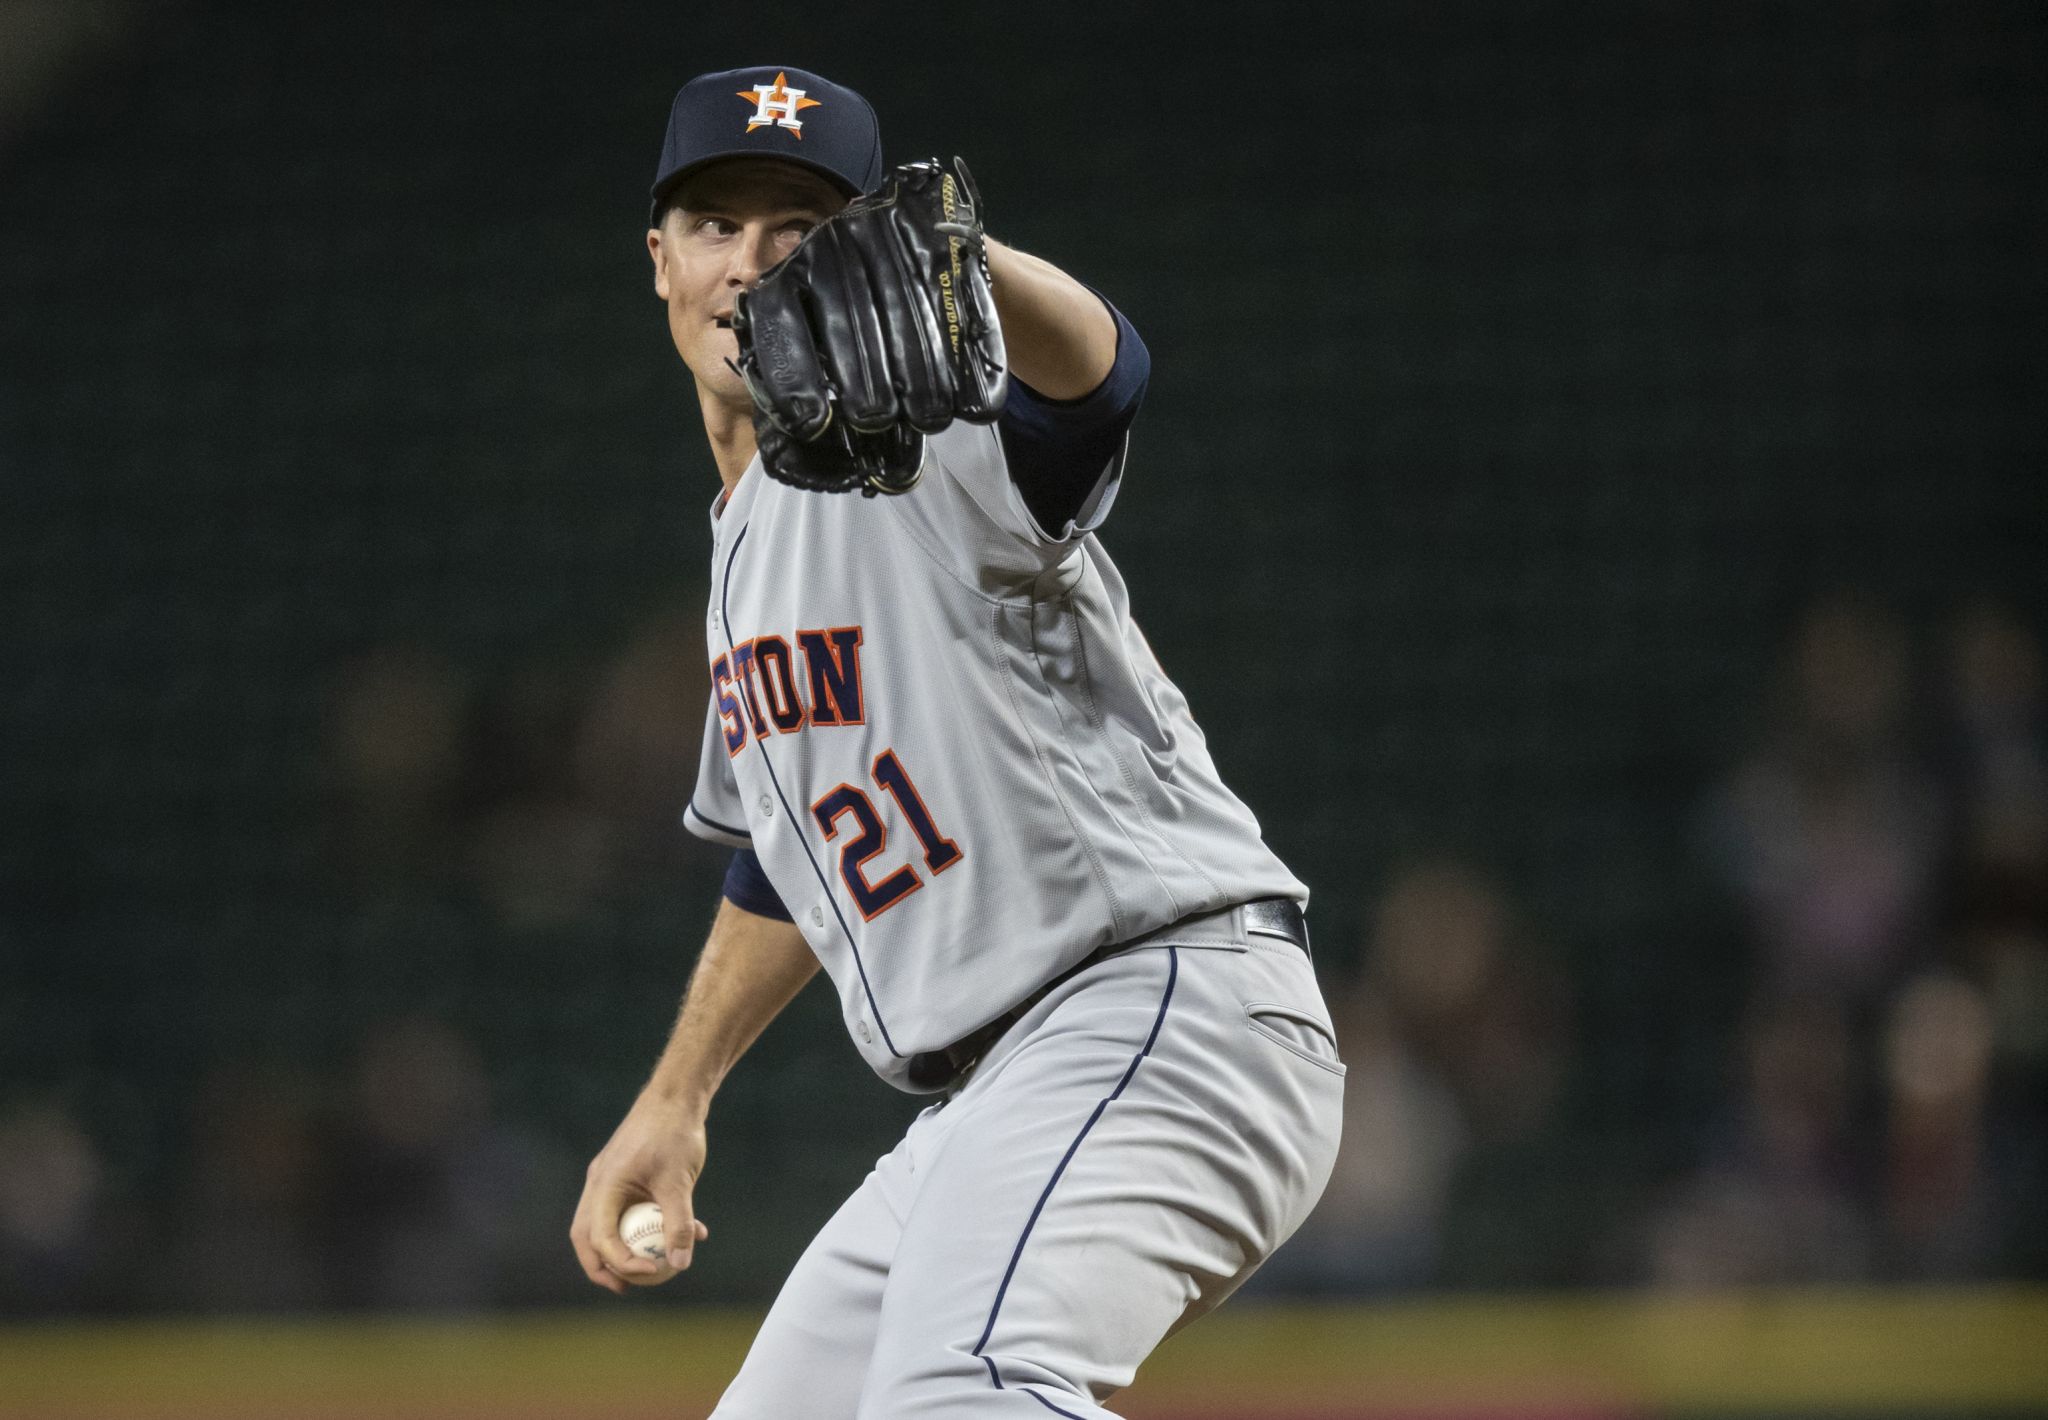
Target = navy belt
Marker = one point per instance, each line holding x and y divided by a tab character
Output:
1277	917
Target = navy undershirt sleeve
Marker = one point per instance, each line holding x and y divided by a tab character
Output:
747	886
1058	449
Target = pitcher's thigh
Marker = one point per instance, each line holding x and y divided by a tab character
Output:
1095	1194
811	1356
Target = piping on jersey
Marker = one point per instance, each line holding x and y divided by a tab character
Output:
725	625
1017	1254
721	827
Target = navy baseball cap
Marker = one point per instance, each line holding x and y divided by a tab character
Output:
771	111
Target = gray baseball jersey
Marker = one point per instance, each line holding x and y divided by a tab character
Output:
951	748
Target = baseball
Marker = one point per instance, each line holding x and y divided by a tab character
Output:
640	1229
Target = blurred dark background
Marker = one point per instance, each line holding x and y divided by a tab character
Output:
1590	492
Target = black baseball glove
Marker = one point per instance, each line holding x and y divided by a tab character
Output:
877	330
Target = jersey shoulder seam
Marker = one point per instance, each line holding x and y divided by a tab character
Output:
1063	608
999	649
1131	789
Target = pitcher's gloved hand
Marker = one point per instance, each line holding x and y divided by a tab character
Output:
878	329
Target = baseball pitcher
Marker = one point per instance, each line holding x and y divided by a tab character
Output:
953	774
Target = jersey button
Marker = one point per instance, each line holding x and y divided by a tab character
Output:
867	1037
767	807
818	916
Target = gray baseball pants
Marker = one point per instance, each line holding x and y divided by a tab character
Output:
1120	1160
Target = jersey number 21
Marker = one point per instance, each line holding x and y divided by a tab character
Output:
872	836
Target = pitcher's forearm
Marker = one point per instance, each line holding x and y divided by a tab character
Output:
1060	337
751	967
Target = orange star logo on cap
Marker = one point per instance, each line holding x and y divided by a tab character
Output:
778	105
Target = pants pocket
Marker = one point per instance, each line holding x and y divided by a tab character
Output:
1295	1030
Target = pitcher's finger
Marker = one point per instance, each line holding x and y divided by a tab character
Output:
605	1255
590	1261
680	1227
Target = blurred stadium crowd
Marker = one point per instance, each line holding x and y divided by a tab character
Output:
1878	851
1879	854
